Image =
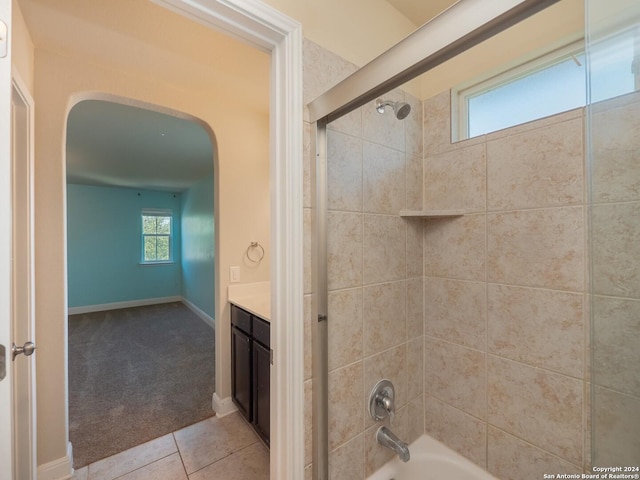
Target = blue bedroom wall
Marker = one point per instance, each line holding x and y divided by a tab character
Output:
198	253
104	246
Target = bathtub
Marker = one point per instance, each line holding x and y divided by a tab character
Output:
431	460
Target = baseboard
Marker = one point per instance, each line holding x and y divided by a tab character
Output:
60	469
114	306
200	313
223	406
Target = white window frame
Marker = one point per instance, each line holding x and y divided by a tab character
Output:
487	82
154	212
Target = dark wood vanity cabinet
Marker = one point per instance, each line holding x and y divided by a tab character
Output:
250	369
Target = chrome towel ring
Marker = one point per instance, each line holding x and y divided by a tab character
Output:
255	252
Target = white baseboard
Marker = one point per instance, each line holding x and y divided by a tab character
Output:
114	306
200	313
223	406
60	469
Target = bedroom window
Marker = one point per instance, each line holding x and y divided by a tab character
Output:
156	236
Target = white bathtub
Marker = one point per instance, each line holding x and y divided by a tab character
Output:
431	460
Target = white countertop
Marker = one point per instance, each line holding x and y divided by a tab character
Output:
255	298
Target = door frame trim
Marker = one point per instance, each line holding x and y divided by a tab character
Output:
19	87
263	27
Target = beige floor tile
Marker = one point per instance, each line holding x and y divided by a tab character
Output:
251	463
132	459
213	439
81	474
168	468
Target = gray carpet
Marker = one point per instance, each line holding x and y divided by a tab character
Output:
134	375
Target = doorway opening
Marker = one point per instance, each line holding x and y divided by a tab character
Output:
141	275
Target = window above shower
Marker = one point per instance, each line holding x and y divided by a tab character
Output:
552	83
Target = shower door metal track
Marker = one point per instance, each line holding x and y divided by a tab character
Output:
457	29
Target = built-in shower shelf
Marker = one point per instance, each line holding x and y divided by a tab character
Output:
432	213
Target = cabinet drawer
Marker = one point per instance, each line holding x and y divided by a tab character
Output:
261	331
241	319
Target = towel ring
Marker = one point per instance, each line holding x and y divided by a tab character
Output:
258	256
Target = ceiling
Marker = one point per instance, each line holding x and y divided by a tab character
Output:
420	12
110	144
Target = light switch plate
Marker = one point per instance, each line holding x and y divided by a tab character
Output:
234	274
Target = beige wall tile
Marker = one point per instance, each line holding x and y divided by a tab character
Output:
384	248
537	248
615	135
385	319
345	332
321	70
455	247
456	375
543	328
456	180
390	365
415	314
384	129
413	182
350	124
541	407
437	126
415	368
616	330
344	172
437	123
347	461
345	404
615	249
456	311
413	126
461	432
344	249
539	168
615	419
383	179
415	249
513	459
415	423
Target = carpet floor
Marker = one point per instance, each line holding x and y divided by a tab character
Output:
136	374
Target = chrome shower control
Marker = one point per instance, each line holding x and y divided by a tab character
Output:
381	400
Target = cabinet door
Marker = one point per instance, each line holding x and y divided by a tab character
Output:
241	372
261	376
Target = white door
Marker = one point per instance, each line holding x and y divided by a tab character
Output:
6	414
22	278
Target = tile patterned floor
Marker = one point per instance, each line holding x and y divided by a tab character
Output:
214	449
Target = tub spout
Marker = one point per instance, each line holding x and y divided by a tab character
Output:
386	438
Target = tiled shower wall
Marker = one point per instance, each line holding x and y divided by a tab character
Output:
615	230
504	336
375	273
505	369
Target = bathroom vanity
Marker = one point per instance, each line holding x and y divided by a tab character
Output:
251	356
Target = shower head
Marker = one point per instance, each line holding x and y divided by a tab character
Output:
401	109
